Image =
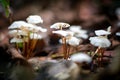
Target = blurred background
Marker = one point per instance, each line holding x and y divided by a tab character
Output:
90	14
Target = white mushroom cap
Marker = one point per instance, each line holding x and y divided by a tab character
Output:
16	40
63	33
81	57
41	29
37	29
81	35
78	32
100	42
109	29
17	32
75	28
34	19
73	41
102	32
118	34
18	24
35	36
59	24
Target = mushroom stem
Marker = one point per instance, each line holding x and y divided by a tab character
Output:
28	45
100	52
68	52
97	50
17	46
60	27
34	42
23	49
24	46
64	47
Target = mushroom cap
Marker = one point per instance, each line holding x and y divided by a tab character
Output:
19	24
37	29
59	24
102	32
17	32
118	34
81	57
16	40
34	19
63	33
73	41
75	28
100	42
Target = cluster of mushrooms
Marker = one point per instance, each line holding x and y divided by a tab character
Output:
25	35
